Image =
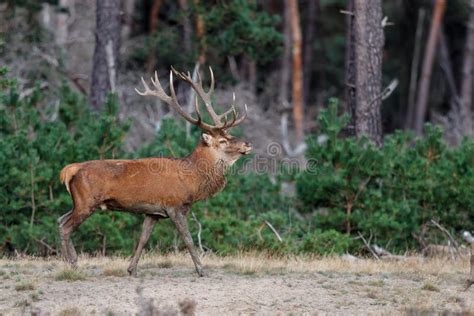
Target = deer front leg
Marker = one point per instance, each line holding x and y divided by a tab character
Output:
148	225
178	216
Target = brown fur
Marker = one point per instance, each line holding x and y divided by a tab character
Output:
156	187
151	186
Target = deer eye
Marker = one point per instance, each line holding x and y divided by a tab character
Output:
223	141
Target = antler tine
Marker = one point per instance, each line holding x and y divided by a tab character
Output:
147	88
234	117
211	87
240	119
172	101
206	97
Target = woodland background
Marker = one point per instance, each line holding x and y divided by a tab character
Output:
361	112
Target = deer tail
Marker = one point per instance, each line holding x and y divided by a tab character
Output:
68	173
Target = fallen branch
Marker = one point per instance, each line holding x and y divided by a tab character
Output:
274	231
384	254
450	237
367	245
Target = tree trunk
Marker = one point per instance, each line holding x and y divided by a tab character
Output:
187	28
61	31
105	61
128	10
369	41
200	34
350	71
422	100
466	85
286	59
297	78
153	27
308	48
410	118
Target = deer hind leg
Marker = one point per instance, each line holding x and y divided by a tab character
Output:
67	224
178	216
147	229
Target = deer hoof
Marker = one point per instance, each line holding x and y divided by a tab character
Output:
132	271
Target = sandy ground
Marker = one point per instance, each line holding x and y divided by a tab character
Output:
246	284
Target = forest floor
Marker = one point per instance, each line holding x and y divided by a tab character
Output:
244	284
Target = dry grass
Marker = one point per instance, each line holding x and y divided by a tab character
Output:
70	275
329	284
248	264
25	286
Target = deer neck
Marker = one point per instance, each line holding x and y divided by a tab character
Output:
209	171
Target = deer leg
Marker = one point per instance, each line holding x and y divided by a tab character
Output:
64	239
147	229
67	224
178	216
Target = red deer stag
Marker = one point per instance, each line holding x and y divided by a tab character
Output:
157	187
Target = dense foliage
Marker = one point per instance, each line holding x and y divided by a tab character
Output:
349	186
391	193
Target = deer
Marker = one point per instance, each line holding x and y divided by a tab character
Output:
158	187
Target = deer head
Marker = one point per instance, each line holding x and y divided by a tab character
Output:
215	137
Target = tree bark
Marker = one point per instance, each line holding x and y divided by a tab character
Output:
128	10
422	100
308	48
468	64
410	118
350	71
153	27
369	41
200	34
187	28
297	74
105	61
286	59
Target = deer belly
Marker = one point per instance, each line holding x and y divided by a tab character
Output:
138	208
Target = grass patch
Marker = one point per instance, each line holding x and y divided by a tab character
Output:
71	311
378	283
25	286
22	303
115	272
70	275
430	287
166	264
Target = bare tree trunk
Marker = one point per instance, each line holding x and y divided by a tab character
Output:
410	118
422	100
350	71
308	48
200	34
286	59
105	61
153	27
466	86
297	80
61	31
128	9
368	57
187	28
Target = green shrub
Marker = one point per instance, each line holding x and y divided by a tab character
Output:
389	192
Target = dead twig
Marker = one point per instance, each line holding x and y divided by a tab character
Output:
274	231
367	245
450	237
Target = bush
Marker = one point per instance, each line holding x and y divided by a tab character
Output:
389	192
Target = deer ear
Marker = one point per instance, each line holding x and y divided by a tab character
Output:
207	139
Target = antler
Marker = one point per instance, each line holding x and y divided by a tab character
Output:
205	96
